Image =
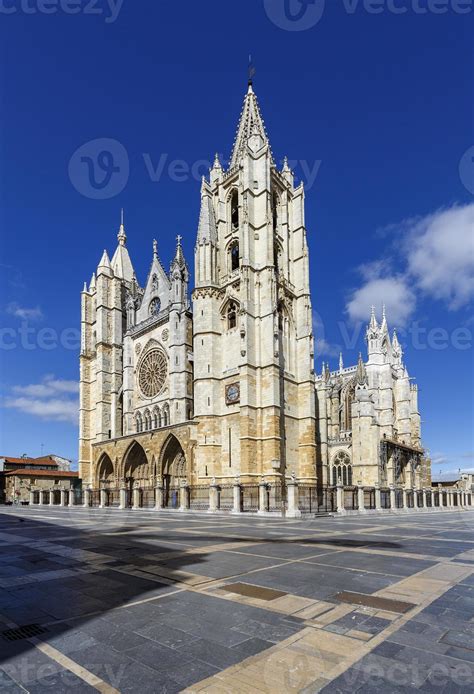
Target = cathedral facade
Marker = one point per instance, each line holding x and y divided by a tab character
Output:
218	388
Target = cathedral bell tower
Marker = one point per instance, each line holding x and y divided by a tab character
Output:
253	344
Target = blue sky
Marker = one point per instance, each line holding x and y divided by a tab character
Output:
374	109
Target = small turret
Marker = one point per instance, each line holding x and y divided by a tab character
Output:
104	267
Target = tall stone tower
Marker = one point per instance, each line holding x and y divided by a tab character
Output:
103	326
254	394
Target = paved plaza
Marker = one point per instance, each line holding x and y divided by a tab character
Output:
142	601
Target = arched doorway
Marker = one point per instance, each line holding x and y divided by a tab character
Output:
173	469
105	473
135	470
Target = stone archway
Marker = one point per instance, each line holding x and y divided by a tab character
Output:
135	469
173	469
105	474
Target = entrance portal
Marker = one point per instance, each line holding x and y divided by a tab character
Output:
173	466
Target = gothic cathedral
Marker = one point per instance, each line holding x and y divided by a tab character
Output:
224	391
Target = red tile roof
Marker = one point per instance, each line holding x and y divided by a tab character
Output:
41	473
30	461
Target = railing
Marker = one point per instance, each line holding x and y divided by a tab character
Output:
113	498
276	497
351	502
369	499
95	498
147	498
171	497
385	498
225	497
250	498
398	498
199	497
308	498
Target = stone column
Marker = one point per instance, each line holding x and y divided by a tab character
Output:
62	501
425	499
32	498
87	498
415	498
293	510
361	499
213	492
340	498
123	497
262	497
136	498
393	501
237	497
378	498
40	498
183	497
159	496
71	496
405	498
51	497
103	498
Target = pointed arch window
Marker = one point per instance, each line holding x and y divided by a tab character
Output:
234	209
232	316
342	469
234	256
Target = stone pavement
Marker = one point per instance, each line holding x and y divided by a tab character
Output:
159	602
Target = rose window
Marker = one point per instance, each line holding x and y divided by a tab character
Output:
152	373
155	306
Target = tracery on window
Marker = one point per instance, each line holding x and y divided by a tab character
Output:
342	469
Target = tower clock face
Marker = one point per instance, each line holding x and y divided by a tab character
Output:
232	393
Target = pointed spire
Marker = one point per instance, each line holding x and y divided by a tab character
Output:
155	248
179	256
373	320
250	123
341	363
384	326
217	163
121	263
122	236
207	230
396	346
361	374
92	285
85	288
105	261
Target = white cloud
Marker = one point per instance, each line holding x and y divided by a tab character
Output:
56	409
440	254
48	387
52	400
33	314
394	292
434	256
